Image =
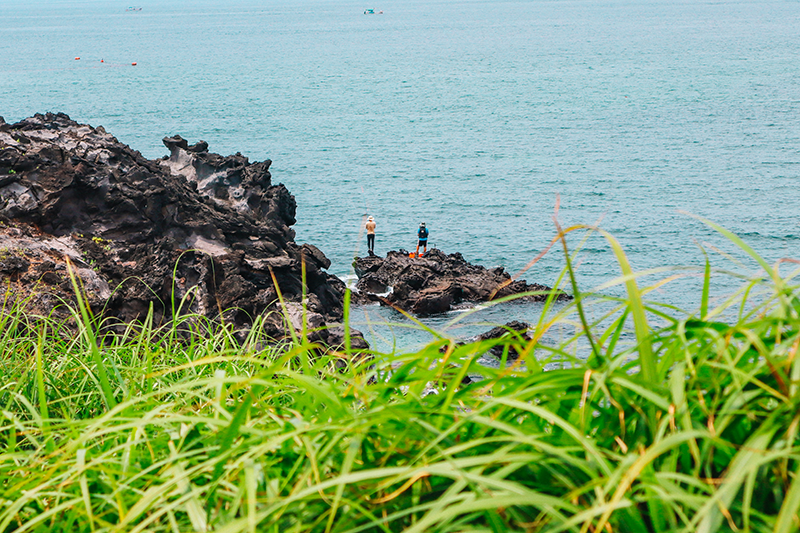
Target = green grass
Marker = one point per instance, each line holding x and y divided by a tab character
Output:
648	419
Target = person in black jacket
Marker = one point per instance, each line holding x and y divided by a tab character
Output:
422	233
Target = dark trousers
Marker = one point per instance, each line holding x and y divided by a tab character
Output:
371	242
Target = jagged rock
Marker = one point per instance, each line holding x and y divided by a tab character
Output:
194	230
336	338
314	256
502	331
304	319
369	283
431	303
435	282
515	330
364	265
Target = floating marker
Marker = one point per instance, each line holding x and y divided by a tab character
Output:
77	59
133	64
102	61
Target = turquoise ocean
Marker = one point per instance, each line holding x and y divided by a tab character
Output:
473	116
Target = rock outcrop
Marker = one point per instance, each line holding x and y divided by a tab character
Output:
435	282
194	231
513	331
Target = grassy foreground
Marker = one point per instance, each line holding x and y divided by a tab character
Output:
688	426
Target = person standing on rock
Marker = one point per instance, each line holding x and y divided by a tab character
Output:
371	235
422	233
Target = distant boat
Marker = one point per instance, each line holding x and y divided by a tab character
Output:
372	12
133	8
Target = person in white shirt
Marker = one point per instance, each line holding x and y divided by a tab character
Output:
371	235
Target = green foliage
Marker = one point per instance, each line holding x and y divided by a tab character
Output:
691	425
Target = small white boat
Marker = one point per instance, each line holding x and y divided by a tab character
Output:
372	12
133	8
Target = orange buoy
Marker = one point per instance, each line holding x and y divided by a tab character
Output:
133	64
77	59
102	60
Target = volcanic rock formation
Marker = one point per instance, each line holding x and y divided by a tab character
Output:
194	231
514	330
435	282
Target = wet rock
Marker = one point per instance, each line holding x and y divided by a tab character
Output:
514	330
502	331
432	303
434	283
365	265
194	232
370	283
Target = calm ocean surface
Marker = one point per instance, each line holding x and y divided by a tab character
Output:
470	115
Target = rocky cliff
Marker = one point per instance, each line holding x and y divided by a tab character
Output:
196	230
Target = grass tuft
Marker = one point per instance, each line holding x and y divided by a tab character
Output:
644	419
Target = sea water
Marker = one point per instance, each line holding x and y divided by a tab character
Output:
478	117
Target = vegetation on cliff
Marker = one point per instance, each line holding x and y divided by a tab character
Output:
643	420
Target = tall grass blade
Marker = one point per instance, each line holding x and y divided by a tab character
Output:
789	516
87	328
637	310
709	517
706	286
